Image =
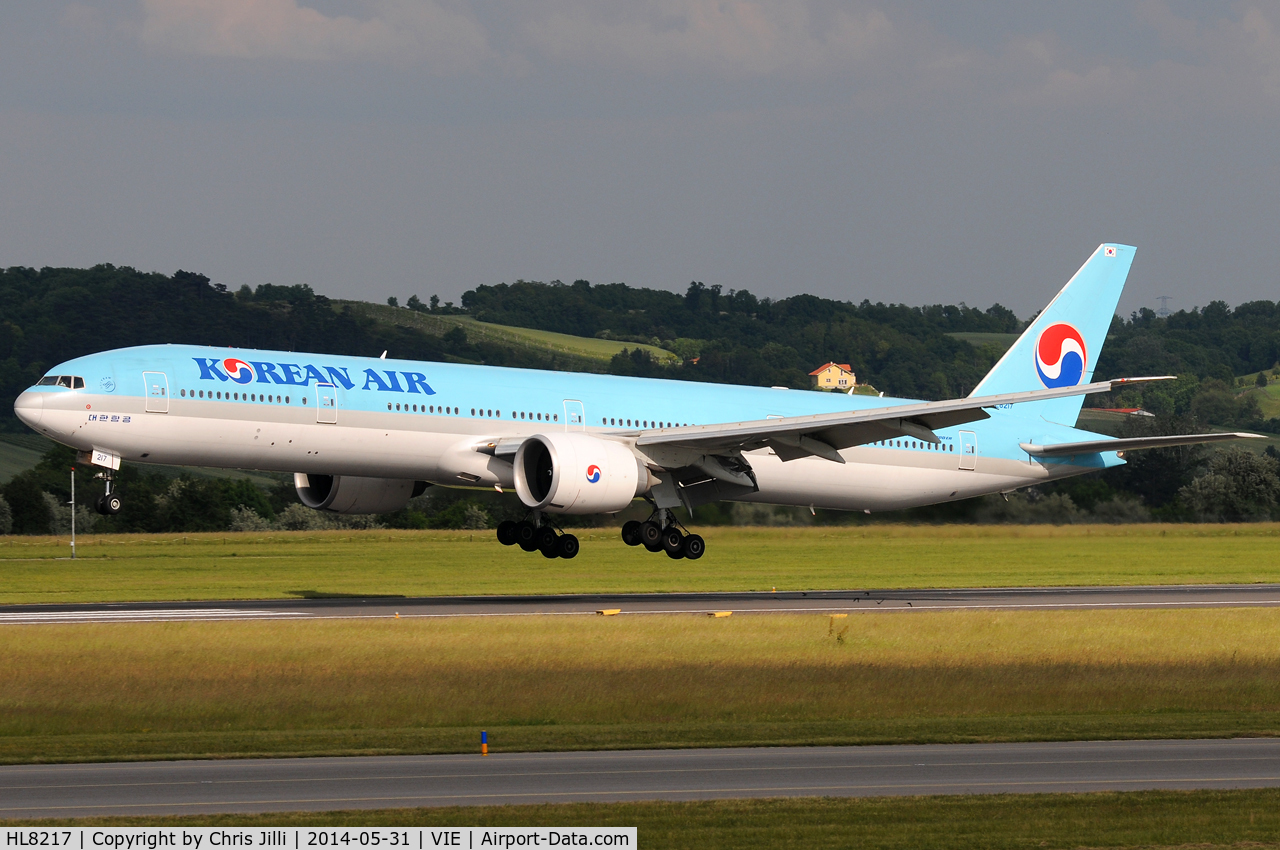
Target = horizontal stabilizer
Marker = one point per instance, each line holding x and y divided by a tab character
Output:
1132	444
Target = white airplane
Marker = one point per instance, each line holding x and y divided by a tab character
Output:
364	435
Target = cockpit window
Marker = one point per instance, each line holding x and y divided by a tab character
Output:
71	382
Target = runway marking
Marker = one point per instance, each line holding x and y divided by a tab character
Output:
148	616
896	605
656	771
661	793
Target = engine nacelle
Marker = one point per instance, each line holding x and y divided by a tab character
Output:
575	473
346	494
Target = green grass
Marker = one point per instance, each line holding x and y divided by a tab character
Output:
1147	819
1001	341
585	348
20	452
334	687
282	565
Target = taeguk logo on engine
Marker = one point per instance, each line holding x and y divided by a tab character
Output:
1060	356
593	473
238	370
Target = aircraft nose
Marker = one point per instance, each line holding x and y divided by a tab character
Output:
30	407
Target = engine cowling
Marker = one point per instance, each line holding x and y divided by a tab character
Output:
347	494
575	473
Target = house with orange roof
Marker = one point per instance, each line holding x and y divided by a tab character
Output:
834	376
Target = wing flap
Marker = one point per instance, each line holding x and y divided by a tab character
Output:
1132	444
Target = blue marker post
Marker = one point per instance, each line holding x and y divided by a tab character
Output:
484	743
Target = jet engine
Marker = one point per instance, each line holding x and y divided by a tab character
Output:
575	473
347	494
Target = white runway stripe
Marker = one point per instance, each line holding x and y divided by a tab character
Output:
159	615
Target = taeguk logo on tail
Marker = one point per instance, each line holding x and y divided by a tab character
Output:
238	370
593	473
1060	356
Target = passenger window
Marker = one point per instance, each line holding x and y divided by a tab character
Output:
557	417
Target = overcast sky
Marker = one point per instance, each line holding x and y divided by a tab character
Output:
917	152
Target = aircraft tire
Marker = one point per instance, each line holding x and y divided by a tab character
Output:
548	542
527	535
99	506
672	541
112	504
507	532
651	536
631	532
567	546
694	547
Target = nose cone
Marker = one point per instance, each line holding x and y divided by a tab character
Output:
30	407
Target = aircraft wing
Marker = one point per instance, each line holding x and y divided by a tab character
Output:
824	434
1132	444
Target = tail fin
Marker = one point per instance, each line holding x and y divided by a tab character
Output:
1062	345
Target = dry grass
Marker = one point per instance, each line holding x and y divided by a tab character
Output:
584	681
279	565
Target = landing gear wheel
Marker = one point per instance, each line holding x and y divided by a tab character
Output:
567	546
108	505
631	532
527	535
98	506
548	542
694	546
507	532
651	535
673	541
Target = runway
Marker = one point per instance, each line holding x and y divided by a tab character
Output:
262	785
827	601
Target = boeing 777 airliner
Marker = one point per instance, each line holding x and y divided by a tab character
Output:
364	435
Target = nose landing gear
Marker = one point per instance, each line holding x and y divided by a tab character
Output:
662	532
536	534
109	504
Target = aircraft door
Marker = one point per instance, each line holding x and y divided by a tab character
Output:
156	385
968	450
326	404
575	418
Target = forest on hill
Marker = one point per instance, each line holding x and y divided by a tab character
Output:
1225	359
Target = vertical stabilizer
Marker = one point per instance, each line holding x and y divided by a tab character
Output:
1061	347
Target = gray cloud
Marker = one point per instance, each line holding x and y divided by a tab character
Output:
916	151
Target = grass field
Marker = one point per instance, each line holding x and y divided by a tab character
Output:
417	563
1147	819
1001	341
164	690
588	348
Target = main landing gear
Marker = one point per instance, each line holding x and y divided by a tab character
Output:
108	504
662	532
537	534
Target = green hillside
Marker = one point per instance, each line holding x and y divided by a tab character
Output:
1001	341
593	353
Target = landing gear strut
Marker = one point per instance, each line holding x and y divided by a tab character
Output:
537	534
108	504
662	532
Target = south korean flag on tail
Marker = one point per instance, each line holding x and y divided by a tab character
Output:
1108	252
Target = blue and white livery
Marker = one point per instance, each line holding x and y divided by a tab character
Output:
363	435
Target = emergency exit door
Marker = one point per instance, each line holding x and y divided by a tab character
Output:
968	450
157	389
326	404
575	418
